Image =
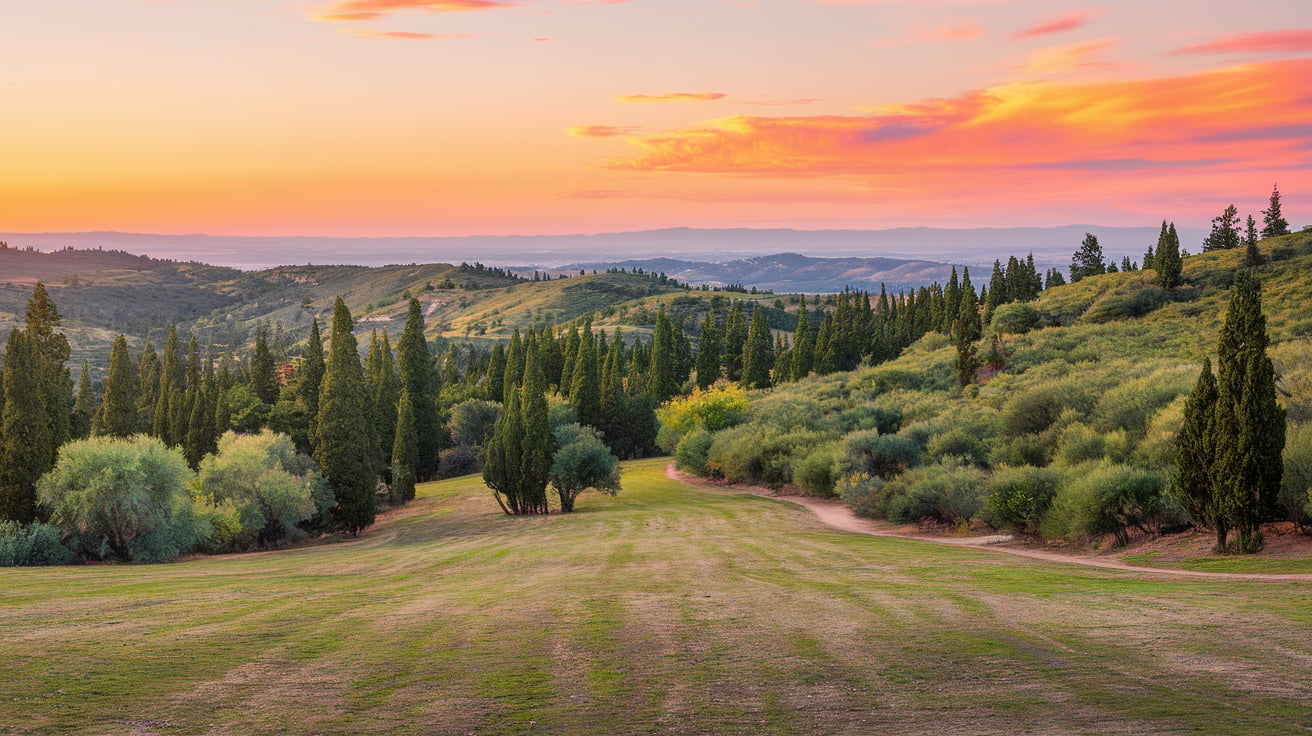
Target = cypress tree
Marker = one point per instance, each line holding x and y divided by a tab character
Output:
708	352
758	355
514	378
148	375
1168	262
495	390
202	437
803	345
1195	453
966	332
539	445
415	366
735	339
312	369
170	377
997	291
118	415
951	301
384	393
42	321
84	407
663	383
585	392
404	449
501	457
1274	223
571	354
263	382
28	438
1252	256
344	449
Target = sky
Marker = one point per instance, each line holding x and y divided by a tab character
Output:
463	117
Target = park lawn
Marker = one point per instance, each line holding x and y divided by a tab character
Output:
663	610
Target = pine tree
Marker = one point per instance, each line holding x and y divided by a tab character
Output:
735	338
585	391
514	375
1149	255
1168	262
1195	453
405	449
1252	256
501	456
708	352
758	354
803	345
84	407
966	332
42	322
263	382
662	381
415	366
28	439
170	378
118	415
345	445
997	291
312	368
1225	231
1088	260
148	376
1274	223
495	388
539	445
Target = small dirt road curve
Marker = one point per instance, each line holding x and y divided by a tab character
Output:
835	513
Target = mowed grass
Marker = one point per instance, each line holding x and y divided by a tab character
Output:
664	610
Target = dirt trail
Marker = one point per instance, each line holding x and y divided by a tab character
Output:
835	513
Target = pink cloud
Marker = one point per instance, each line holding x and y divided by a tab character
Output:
1295	40
675	97
1058	25
602	131
356	10
370	34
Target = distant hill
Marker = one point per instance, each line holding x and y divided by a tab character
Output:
792	272
1052	246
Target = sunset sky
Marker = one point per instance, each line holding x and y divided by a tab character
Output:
454	117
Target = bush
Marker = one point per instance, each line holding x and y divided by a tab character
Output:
454	462
1296	484
864	494
1016	318
816	473
1129	405
865	416
582	461
786	411
1019	498
1079	443
960	442
123	498
947	492
31	545
714	409
1101	498
269	484
691	453
884	455
1125	302
472	421
1036	410
759	454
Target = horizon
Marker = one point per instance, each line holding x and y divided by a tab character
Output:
351	118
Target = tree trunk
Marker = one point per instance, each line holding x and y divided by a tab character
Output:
1221	531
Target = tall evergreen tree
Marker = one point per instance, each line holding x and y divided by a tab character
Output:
514	376
966	332
585	391
708	352
415	366
148	376
345	445
42	322
263	381
1195	454
1167	261
1225	231
663	383
502	455
28	439
118	415
495	388
405	450
1274	223
171	379
84	407
311	378
758	354
1088	260
735	339
539	445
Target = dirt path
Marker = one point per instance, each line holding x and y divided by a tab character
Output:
835	513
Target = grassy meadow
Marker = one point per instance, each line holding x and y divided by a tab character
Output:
663	610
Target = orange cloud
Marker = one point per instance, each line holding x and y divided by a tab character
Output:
1291	41
1060	59
356	10
675	97
371	34
1031	138
1058	25
602	131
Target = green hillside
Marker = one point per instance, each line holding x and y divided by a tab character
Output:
663	610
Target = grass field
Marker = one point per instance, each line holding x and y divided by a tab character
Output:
664	610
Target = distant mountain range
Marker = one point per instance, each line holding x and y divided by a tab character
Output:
1051	246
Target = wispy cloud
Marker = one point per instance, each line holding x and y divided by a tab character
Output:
359	10
1065	23
963	31
1069	57
372	34
602	131
675	97
781	103
1289	41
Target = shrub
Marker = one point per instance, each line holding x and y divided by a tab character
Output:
124	498
1019	498
472	421
1128	405
691	453
1125	302
864	416
457	461
1016	318
948	491
960	442
864	494
1039	408
267	481
884	455
1296	484
1101	498
30	545
714	409
1157	448
787	412
1080	443
759	454
816	473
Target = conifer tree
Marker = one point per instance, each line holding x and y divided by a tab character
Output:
951	302
1195	454
384	393
312	368
1274	223
997	291
1225	231
171	377
966	332
514	374
662	381
1252	256
118	415
415	366
263	382
1167	261
1149	255
202	438
404	450
735	338
41	323
495	388
585	391
148	375
502	455
570	350
1088	260
612	386
539	445
28	438
758	354
84	407
803	345
708	352
344	449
